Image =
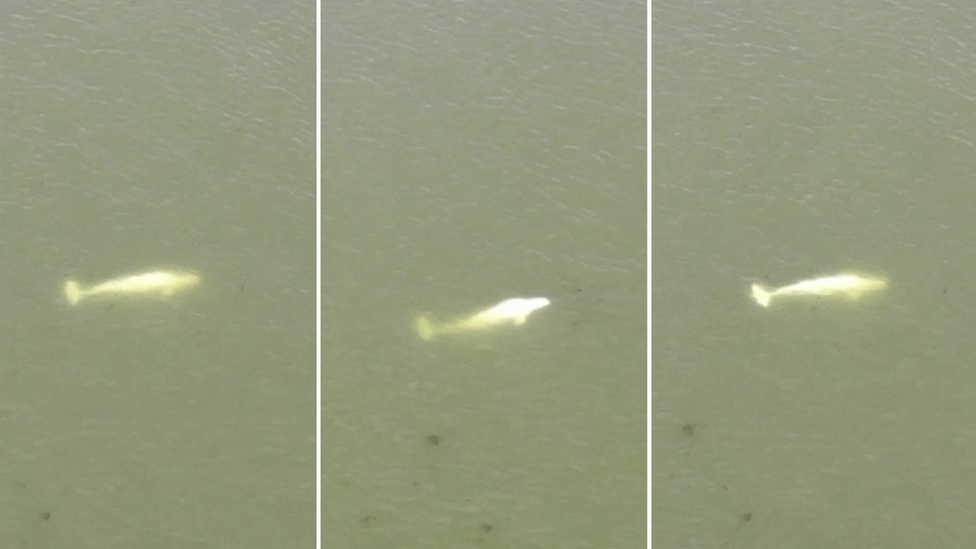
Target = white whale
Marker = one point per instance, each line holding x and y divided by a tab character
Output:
847	285
153	283
511	311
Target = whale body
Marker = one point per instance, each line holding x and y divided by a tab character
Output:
153	283
847	285
511	311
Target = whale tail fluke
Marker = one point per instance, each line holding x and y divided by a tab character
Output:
761	295
72	290
425	328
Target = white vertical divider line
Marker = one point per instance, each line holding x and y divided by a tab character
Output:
318	274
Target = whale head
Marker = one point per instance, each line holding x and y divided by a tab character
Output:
518	309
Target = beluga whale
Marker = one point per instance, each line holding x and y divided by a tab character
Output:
851	286
513	311
159	284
